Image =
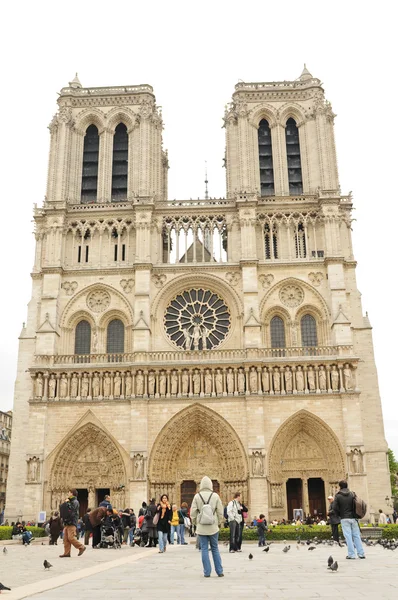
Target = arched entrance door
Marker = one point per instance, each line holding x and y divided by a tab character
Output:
305	462
197	442
188	490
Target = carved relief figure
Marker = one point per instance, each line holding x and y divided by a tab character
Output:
277	380
299	380
356	461
139	380
253	380
74	386
311	379
128	384
196	337
334	376
52	386
33	469
117	384
39	386
63	386
174	383
196	382
151	383
94	342
208	382
205	334
322	379
241	381
288	381
96	385
230	381
347	378
139	466
258	467
84	386
107	385
265	380
185	383
187	343
162	383
218	380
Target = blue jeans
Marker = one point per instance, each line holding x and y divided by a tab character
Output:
26	537
261	539
181	533
205	540
352	536
162	540
174	529
131	536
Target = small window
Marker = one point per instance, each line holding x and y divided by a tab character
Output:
120	163
83	338
90	165
309	336
265	159
115	253
277	333
87	248
293	158
123	252
79	254
115	337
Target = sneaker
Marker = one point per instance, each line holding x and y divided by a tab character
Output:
82	550
64	555
361	556
206	575
350	557
220	574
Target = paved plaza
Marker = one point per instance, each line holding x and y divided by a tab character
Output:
177	574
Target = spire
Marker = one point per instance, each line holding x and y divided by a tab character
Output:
305	75
75	83
206	182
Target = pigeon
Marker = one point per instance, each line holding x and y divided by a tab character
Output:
312	548
266	549
47	565
330	561
3	587
334	566
250	556
286	549
5	550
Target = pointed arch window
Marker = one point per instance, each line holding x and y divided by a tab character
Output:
120	163
270	242
115	337
90	165
278	339
308	331
265	158
83	338
300	241
293	158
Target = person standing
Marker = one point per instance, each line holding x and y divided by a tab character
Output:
151	529
334	520
87	527
244	514
261	529
183	521
133	524
96	516
234	512
174	522
106	502
208	533
343	505
163	527
70	526
382	518
55	524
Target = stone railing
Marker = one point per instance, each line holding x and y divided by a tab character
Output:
189	381
107	91
199	357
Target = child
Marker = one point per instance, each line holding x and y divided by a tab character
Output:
261	529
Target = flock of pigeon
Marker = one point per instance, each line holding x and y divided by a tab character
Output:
47	566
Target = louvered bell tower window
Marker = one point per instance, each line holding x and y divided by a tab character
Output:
265	158
90	165
293	158
120	163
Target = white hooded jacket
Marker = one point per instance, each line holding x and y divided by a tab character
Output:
205	489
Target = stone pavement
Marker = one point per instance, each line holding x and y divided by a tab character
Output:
177	574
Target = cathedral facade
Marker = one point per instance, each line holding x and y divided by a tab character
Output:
167	340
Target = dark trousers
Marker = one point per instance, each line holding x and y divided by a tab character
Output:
86	537
261	539
335	532
96	535
241	526
234	534
53	538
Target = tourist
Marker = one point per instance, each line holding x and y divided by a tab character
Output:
163	526
142	510
244	514
254	522
133	524
184	522
87	527
234	511
174	525
382	518
55	524
70	526
106	502
394	516
149	530
261	529
343	505
96	517
125	516
208	534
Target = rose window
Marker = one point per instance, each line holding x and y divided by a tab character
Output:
197	320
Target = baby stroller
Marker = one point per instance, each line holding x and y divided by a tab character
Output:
138	538
110	537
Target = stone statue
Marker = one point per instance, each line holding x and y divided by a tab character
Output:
299	380
311	379
52	386
96	386
151	383
187	336
241	381
253	380
257	464
347	377
74	386
33	470
128	385
196	382
107	385
162	383
356	460
334	376
94	343
139	382
277	381
322	379
230	381
273	496
196	337
288	381
84	386
218	381
63	386
139	466
174	383
117	384
39	386
185	383
205	335
208	382
265	380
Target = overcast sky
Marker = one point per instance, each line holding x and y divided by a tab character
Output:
193	54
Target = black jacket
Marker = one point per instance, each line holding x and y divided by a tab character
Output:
343	504
334	518
75	508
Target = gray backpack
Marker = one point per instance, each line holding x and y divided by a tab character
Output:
206	513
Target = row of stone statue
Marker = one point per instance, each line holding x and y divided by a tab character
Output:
205	382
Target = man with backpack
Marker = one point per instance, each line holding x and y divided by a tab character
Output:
69	512
207	514
344	506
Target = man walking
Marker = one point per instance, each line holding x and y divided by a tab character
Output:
70	517
343	505
207	515
234	512
334	520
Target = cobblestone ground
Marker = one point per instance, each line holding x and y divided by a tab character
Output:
177	574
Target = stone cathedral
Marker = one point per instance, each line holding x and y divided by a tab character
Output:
166	340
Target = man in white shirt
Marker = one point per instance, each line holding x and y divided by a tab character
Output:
234	512
382	518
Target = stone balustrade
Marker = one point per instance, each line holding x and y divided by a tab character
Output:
249	380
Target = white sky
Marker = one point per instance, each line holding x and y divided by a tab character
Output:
193	54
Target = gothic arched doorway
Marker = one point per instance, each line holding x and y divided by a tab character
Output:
196	442
305	462
88	459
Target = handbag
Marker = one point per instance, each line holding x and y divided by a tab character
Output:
187	522
155	519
